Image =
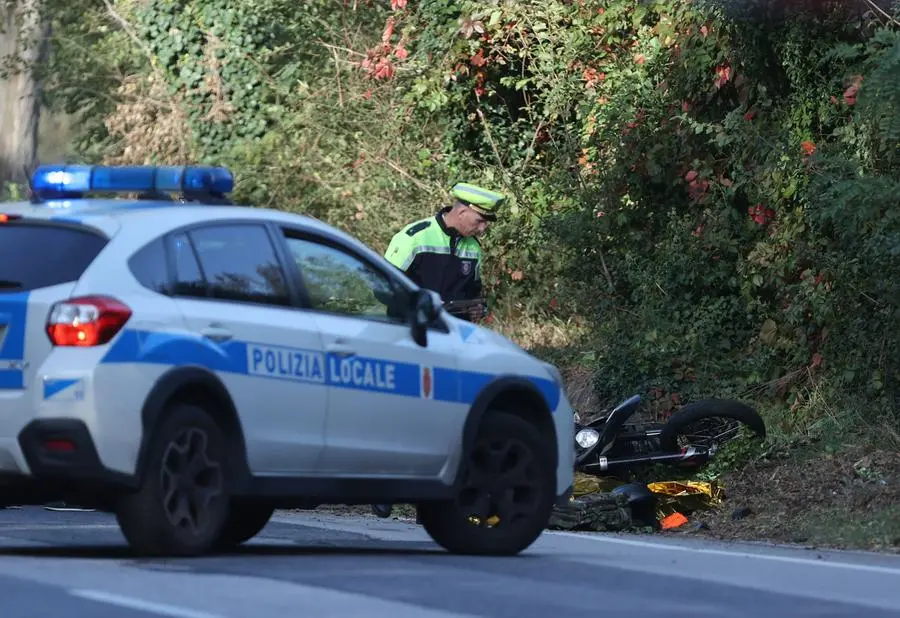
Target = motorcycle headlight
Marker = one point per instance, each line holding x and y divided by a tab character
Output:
586	438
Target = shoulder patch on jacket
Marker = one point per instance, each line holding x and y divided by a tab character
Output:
418	227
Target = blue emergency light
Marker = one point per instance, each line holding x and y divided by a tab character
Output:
74	180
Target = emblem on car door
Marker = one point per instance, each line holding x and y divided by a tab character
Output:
426	382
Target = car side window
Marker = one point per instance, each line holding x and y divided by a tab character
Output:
230	262
188	276
340	283
149	267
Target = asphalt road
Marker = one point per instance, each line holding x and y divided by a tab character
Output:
77	565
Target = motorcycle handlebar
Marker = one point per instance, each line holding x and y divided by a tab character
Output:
464	307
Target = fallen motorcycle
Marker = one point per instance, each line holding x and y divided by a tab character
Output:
608	445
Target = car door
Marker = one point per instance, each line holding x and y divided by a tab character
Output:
392	405
232	290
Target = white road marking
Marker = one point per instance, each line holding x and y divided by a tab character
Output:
732	554
146	606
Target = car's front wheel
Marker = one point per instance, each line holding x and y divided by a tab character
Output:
245	520
183	503
507	493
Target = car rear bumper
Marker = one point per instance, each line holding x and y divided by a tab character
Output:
60	463
62	448
100	405
11	459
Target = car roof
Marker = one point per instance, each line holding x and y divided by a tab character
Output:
109	214
156	217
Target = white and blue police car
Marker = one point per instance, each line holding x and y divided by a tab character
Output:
191	365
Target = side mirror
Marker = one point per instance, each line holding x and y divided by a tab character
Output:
426	307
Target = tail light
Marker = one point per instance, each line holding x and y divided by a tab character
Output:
86	321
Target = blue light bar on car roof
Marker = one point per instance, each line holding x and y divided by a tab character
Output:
68	180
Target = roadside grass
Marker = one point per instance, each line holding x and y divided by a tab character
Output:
844	528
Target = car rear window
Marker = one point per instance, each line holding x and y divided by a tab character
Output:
35	256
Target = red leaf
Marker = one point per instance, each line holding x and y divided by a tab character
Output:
723	75
384	69
850	93
388	30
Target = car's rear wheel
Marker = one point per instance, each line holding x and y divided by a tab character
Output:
507	493
183	503
245	520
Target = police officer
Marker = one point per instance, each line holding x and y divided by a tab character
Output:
442	253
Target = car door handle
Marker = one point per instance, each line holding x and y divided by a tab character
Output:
216	332
339	348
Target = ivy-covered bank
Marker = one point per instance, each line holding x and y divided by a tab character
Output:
704	193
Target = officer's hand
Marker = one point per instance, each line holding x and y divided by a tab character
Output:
477	312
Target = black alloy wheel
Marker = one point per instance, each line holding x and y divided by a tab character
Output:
182	506
190	481
507	492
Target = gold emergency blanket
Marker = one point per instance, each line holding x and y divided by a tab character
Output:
587	484
685	496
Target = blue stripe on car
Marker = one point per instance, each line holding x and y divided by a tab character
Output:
54	386
11	379
13	316
308	366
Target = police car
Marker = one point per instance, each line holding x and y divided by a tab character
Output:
191	365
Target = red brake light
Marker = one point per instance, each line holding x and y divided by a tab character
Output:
8	218
86	321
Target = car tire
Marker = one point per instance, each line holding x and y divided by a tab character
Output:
528	496
245	520
182	505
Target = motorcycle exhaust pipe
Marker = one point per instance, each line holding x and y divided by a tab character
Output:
690	454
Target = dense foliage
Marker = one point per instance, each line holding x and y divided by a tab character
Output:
709	187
